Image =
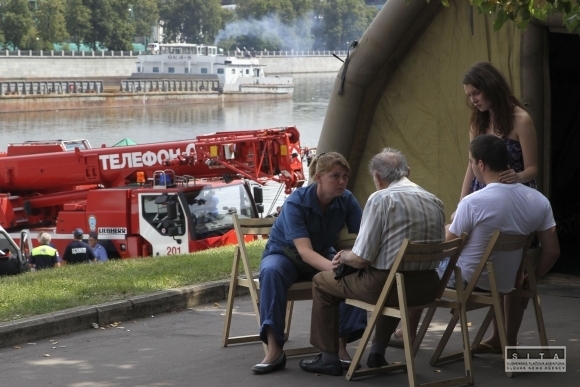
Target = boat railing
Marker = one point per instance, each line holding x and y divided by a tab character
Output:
168	85
50	87
133	54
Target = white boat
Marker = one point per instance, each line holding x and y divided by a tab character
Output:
239	74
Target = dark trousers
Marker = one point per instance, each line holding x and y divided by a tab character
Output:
277	274
327	293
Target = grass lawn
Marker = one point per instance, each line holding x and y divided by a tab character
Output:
66	287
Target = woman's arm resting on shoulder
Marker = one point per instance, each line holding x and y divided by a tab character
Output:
311	257
469	176
524	129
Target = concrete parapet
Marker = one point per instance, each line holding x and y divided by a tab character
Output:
42	67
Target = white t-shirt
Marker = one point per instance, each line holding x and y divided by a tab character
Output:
511	208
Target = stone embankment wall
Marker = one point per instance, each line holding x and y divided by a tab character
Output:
37	67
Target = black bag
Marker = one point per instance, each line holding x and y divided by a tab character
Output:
343	270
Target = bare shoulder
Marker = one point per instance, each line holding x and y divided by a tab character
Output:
523	124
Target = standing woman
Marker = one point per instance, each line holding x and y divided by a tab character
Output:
495	110
300	245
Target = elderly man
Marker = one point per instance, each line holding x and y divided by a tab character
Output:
45	255
398	210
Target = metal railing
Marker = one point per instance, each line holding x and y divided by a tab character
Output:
49	87
168	85
132	54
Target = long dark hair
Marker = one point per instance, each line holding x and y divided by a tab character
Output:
487	79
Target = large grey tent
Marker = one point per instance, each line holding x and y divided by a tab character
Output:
402	89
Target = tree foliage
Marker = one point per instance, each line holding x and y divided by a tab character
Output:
51	24
522	12
145	16
78	21
192	21
16	22
341	22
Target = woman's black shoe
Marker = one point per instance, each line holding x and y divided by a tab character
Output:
266	368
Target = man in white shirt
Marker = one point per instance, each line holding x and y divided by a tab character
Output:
512	209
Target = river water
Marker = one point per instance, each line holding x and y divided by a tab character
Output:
306	111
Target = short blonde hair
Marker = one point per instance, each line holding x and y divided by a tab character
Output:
324	163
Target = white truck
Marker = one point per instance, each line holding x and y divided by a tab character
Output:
14	258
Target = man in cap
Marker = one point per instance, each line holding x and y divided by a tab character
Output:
78	251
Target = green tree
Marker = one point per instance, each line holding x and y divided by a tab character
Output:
523	11
287	10
192	21
51	23
145	15
110	24
16	22
78	21
341	22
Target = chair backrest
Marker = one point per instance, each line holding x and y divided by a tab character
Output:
499	242
427	252
250	227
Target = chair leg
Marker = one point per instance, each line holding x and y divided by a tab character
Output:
288	320
423	329
231	296
540	321
409	355
467	360
436	358
364	340
483	328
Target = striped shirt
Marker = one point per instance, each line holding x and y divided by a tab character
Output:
402	211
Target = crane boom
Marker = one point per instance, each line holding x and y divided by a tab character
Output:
38	178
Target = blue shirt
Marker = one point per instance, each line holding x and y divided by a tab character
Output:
100	253
301	217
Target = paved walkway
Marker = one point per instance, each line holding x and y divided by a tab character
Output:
184	349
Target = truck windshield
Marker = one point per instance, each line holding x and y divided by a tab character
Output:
212	208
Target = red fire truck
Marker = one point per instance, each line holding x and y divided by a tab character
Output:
152	199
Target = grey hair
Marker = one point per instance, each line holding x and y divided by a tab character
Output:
44	238
390	165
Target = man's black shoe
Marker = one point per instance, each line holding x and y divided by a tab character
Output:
316	366
346	364
376	360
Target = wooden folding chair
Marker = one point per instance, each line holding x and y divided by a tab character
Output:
414	252
297	292
493	299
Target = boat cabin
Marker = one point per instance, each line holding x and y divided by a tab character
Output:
196	59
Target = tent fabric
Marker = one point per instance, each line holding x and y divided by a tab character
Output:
423	110
125	142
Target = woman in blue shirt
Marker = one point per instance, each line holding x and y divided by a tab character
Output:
300	245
